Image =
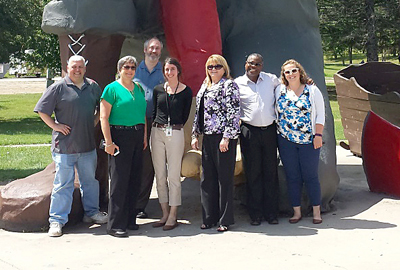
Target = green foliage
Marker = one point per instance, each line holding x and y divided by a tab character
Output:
19	162
20	22
343	27
18	123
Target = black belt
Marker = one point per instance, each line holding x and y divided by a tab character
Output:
135	127
175	127
262	128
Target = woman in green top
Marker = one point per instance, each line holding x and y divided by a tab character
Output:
122	116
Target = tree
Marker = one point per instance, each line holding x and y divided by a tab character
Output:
371	44
370	25
341	26
20	22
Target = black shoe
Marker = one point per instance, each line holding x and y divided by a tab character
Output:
117	233
207	226
141	214
256	222
273	221
133	227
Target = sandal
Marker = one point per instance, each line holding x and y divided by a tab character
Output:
222	228
206	226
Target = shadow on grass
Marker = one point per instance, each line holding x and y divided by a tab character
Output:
9	175
24	126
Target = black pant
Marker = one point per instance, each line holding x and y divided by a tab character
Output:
217	181
125	173
259	152
147	173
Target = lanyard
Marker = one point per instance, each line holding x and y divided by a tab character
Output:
167	101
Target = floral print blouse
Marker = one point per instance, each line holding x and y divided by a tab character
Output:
294	116
221	109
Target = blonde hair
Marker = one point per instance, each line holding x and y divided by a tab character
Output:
304	79
218	60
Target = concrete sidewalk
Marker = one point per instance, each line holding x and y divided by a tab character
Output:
362	233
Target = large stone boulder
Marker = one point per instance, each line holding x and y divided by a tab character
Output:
25	203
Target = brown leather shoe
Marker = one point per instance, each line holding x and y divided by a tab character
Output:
158	224
170	227
294	220
317	221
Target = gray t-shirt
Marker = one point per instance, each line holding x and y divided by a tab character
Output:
73	107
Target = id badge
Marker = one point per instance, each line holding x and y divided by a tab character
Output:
168	131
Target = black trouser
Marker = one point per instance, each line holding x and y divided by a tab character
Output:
259	152
147	173
217	181
125	173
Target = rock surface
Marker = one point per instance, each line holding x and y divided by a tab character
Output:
25	203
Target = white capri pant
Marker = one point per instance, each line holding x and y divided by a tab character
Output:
167	153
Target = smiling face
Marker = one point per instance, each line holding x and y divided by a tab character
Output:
153	50
291	73
253	67
216	71
127	70
76	70
171	72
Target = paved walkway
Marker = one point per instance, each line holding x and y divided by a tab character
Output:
22	85
362	233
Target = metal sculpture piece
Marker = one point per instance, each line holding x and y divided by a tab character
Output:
368	87
381	154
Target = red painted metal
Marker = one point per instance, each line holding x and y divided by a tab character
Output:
192	32
381	154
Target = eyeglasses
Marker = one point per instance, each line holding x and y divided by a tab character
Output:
254	63
217	67
292	71
129	67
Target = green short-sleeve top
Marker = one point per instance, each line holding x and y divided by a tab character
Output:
128	108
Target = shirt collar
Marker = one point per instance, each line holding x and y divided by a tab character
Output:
70	82
260	78
156	67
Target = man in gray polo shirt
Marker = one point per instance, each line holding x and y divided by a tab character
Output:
74	101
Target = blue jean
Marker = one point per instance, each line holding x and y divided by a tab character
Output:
63	186
300	162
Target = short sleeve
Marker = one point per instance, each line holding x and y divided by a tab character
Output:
48	101
108	94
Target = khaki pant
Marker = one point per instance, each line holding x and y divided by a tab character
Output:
167	153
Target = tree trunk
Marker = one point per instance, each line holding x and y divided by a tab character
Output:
372	46
351	54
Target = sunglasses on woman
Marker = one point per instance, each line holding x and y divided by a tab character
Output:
217	67
292	71
129	67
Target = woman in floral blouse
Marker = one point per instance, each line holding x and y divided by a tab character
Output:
300	123
217	118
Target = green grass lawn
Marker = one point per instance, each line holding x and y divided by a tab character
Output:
339	135
19	162
19	124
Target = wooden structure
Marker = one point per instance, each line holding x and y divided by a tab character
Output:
373	86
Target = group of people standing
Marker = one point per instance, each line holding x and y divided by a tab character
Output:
150	101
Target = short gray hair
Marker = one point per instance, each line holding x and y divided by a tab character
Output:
146	43
77	58
124	60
